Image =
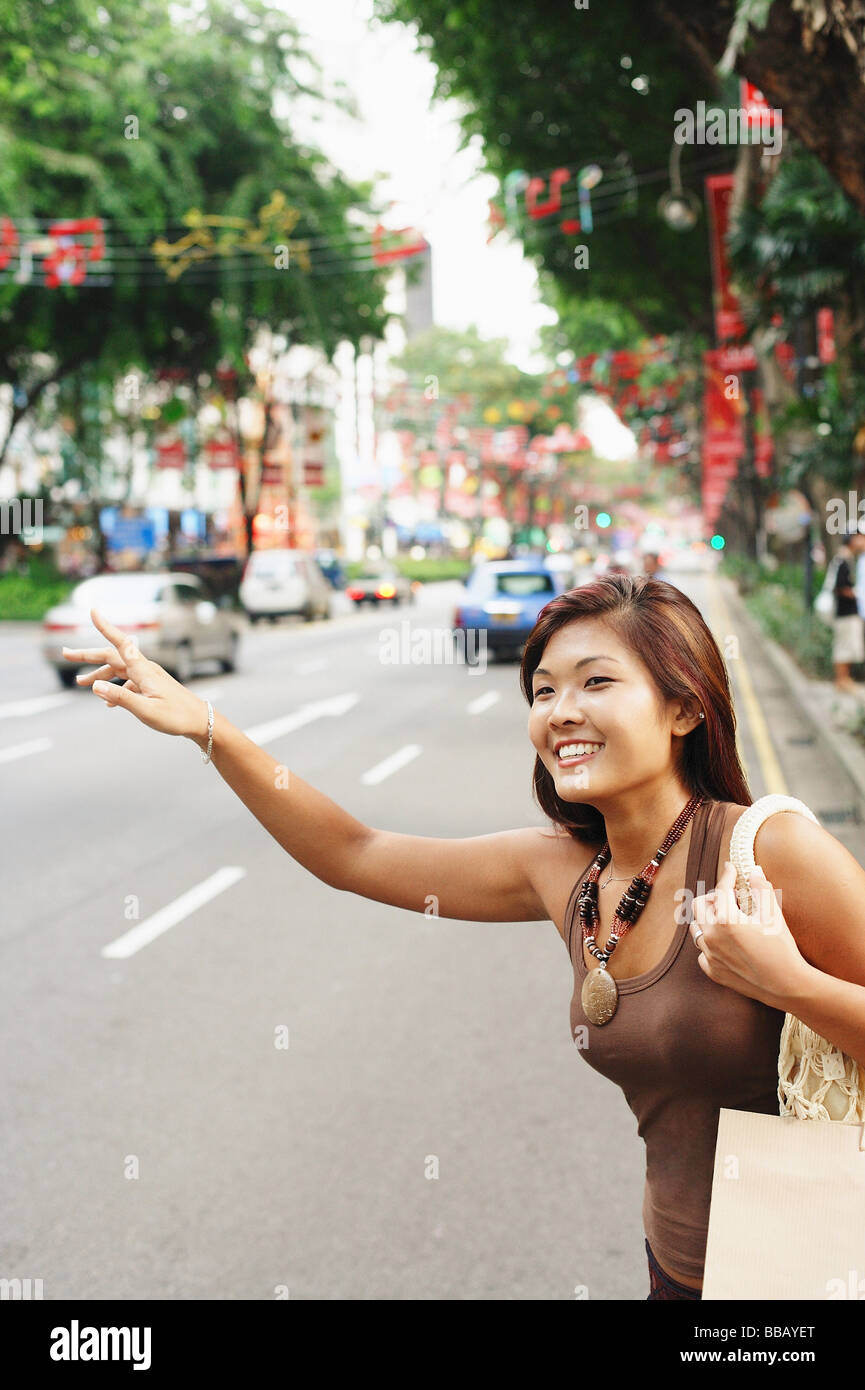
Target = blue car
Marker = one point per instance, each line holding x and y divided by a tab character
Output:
503	599
331	568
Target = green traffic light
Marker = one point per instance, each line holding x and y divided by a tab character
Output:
603	519
717	542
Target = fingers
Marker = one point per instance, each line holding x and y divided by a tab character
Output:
125	695
101	673
126	646
89	653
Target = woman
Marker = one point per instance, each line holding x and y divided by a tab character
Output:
627	665
849	641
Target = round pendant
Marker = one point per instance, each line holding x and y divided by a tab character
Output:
599	996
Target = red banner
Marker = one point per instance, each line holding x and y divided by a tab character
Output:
170	453
764	448
723	436
221	453
826	336
728	319
752	101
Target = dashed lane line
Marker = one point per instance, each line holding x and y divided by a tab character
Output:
22	750
144	932
392	764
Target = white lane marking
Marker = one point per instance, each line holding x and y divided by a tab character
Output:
491	697
35	705
21	750
306	668
391	764
319	709
148	930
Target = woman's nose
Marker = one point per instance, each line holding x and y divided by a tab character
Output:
566	709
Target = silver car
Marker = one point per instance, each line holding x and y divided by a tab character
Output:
279	582
171	617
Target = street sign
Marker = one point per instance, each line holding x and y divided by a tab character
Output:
132	533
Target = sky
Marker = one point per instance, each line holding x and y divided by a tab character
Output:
434	185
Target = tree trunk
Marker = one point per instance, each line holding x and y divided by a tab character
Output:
809	61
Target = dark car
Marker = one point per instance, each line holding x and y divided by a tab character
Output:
379	583
503	598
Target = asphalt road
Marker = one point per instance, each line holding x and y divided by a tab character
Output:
161	1140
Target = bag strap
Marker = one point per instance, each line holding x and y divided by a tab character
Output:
830	576
745	833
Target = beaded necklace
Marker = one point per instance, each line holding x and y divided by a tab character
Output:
600	993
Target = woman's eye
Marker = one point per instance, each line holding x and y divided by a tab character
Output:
544	688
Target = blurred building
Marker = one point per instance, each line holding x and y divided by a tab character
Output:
418	314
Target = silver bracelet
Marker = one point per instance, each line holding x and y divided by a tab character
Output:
206	756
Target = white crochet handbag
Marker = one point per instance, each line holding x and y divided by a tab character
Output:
791	1224
816	1080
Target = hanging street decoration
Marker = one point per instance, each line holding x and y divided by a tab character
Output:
543	197
276	221
62	255
536	187
399	245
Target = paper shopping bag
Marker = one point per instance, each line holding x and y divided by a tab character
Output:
787	1213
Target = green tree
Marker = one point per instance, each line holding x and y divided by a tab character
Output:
556	87
138	117
799	248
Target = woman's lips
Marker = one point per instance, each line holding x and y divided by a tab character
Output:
584	758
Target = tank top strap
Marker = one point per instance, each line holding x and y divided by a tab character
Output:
702	870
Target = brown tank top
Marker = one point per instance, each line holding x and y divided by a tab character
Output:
680	1046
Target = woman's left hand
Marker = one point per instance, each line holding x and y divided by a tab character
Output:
754	954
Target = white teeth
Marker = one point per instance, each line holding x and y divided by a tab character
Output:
576	750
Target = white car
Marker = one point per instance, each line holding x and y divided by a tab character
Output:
280	582
171	616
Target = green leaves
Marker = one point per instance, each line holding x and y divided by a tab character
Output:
138	120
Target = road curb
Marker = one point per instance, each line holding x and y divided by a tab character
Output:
820	705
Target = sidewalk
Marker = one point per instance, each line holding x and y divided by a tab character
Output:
830	712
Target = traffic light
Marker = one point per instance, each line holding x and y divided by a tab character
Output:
717	542
603	520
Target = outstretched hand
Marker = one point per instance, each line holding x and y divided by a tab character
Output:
148	691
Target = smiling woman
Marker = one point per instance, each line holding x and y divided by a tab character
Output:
632	725
632	722
651	651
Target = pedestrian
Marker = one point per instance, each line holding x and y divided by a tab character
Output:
848	644
860	577
652	566
637	769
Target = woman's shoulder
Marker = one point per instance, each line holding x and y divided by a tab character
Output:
732	813
561	862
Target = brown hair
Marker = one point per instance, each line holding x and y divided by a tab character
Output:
667	632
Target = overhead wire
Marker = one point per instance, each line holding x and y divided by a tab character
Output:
609	203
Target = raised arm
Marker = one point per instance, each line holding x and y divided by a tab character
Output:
481	878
